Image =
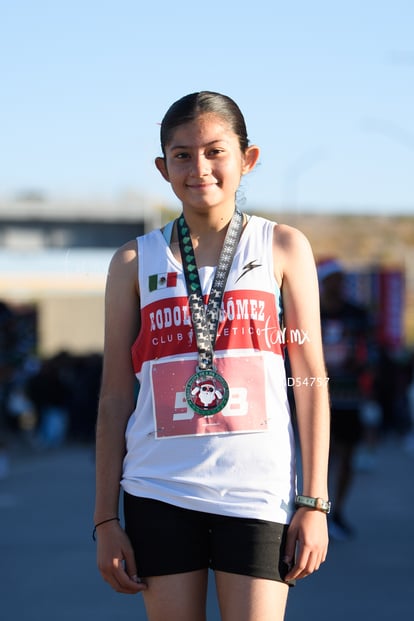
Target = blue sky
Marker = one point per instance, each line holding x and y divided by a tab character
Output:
327	89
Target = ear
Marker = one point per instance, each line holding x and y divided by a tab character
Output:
161	166
251	157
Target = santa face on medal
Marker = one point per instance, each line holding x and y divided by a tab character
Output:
206	395
207	392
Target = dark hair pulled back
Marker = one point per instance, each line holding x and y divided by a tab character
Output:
190	107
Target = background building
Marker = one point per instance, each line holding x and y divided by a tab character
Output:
54	257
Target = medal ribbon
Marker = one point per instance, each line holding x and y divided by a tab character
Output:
205	320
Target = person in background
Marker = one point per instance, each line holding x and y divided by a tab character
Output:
8	341
347	338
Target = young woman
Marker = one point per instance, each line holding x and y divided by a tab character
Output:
201	313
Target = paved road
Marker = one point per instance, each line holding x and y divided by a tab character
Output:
47	557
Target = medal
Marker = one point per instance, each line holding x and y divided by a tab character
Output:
207	392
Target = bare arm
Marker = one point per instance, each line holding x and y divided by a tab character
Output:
116	404
295	270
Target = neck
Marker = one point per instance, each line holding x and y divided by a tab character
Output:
205	223
207	236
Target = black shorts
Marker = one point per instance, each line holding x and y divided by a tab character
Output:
170	540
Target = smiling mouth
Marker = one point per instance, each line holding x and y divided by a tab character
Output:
201	186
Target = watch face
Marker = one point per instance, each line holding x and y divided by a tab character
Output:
323	505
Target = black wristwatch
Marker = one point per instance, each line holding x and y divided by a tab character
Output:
313	503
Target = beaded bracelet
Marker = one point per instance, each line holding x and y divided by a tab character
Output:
100	523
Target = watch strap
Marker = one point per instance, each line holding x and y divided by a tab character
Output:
313	503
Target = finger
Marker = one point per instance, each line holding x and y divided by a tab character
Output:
130	566
300	568
123	583
306	564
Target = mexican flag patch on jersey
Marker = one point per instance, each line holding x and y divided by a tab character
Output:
161	281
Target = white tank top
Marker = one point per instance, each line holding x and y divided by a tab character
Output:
240	461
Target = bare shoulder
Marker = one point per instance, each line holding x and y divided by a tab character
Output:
125	254
286	238
123	268
291	250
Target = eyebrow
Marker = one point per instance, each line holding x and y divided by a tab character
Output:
208	144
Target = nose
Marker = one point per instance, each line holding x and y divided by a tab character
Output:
200	166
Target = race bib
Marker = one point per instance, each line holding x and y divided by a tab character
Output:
245	411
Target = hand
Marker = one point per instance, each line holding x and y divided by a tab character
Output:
116	560
308	537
